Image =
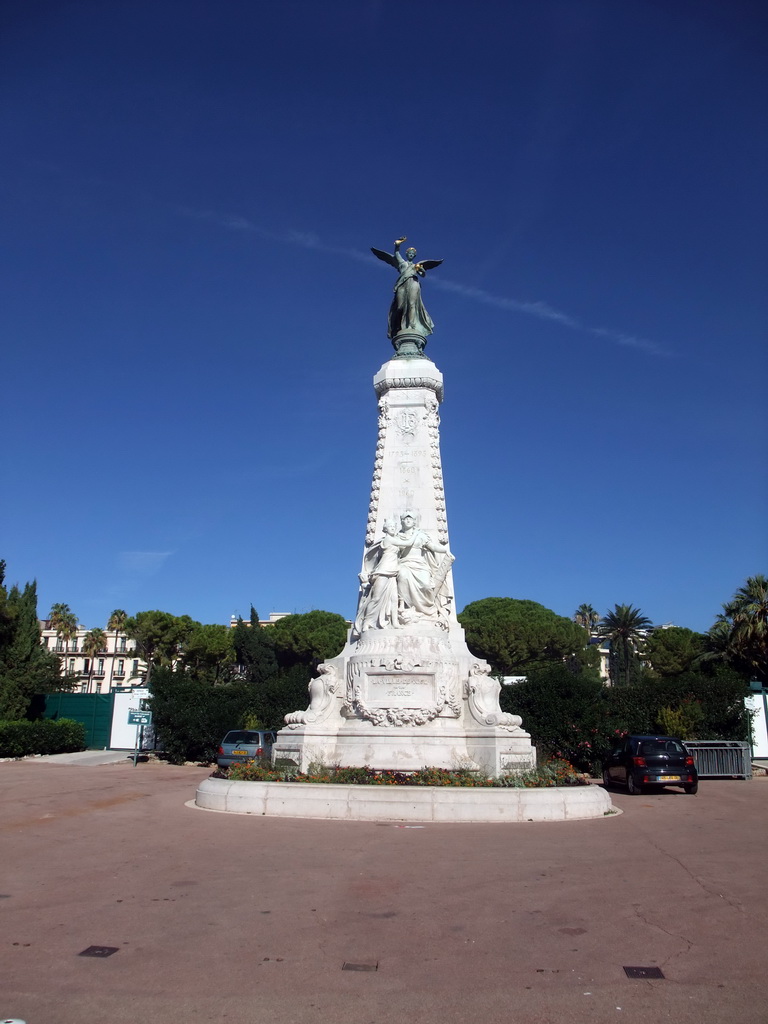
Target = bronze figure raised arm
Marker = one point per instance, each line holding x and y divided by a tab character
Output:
407	314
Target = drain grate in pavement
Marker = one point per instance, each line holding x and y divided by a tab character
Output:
101	951
643	972
360	967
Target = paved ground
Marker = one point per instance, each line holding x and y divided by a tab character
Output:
86	758
244	919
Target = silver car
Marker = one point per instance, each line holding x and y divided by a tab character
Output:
244	745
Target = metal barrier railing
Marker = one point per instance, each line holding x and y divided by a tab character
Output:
721	758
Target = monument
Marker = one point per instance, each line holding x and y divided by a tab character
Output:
406	692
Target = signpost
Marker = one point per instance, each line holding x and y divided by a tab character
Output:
139	719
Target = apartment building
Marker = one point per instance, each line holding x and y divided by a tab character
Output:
116	667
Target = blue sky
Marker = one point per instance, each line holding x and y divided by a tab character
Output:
192	318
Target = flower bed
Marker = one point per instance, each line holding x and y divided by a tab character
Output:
554	772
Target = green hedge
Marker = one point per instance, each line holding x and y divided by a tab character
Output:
192	717
573	717
18	739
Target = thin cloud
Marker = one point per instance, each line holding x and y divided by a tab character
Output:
539	309
142	564
630	341
303	239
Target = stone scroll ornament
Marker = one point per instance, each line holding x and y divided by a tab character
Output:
322	690
408	319
482	692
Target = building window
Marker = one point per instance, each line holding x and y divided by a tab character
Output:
100	667
120	667
73	646
121	644
86	665
71	664
135	669
59	646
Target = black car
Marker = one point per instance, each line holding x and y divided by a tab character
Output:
651	761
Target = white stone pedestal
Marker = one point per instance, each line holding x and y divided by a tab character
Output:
406	692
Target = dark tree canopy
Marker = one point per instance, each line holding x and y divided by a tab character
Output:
159	636
26	668
516	636
208	652
739	637
308	639
673	650
254	650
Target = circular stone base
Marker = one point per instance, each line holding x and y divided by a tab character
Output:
403	803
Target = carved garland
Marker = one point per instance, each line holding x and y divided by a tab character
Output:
373	506
432	416
395	716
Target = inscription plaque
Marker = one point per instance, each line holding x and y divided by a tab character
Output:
407	690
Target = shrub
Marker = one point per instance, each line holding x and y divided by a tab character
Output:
191	717
21	738
683	721
553	773
274	698
572	717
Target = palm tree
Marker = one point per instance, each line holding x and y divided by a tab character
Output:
625	627
93	642
586	616
117	622
64	621
740	634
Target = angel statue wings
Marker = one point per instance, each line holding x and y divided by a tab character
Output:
407	314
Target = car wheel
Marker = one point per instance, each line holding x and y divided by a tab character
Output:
632	787
606	778
692	788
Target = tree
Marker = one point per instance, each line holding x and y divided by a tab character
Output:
673	650
517	636
159	636
95	640
208	653
116	621
64	621
254	650
586	616
308	639
26	667
625	627
6	616
740	634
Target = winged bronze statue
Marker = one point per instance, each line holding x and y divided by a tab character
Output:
407	314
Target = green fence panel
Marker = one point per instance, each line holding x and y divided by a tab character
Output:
94	710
